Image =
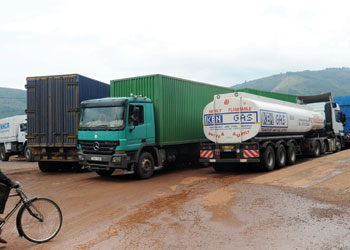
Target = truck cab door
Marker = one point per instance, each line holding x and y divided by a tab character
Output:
136	133
22	132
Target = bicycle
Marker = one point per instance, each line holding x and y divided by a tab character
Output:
38	219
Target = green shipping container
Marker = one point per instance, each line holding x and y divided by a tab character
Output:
274	95
178	104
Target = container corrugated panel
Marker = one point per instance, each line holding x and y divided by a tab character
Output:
178	104
274	95
344	103
53	107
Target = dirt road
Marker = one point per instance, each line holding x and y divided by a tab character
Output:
305	206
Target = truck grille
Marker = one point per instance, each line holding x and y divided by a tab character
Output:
98	147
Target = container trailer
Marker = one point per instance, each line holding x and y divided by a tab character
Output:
248	128
12	137
53	106
149	122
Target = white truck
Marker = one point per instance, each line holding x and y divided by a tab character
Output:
13	131
247	128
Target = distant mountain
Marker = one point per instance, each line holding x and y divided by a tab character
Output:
335	80
12	102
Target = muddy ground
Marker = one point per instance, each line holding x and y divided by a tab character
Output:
305	206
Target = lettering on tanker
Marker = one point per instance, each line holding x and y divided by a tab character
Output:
213	111
243	133
214	135
237	109
273	119
230	118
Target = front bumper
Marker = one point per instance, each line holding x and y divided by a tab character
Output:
95	161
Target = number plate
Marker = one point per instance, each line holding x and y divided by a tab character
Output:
96	158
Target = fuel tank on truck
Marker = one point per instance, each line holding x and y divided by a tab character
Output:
238	117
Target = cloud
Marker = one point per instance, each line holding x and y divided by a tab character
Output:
223	42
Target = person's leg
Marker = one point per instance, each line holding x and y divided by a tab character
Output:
4	194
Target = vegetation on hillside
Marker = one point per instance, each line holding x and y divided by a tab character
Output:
335	80
12	102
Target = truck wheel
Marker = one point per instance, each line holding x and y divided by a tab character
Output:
323	148
291	155
145	166
268	159
317	151
45	166
3	155
281	156
28	153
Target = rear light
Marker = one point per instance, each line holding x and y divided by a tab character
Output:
217	153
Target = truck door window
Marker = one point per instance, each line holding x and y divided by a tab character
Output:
23	127
136	114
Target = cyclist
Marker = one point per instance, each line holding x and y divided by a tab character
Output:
5	185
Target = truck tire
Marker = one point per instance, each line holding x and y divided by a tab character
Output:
105	172
291	155
45	166
317	150
268	159
28	153
3	155
145	166
281	156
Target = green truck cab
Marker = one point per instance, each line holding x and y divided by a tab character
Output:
139	135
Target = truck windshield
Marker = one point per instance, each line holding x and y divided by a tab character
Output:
107	117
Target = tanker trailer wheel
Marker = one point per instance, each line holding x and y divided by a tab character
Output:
317	150
145	166
291	155
3	155
281	156
268	159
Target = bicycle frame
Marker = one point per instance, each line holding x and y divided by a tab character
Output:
23	199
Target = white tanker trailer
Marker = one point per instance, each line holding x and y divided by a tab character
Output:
245	127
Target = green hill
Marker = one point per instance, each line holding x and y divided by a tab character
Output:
335	80
12	102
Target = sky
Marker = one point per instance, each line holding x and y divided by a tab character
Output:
218	42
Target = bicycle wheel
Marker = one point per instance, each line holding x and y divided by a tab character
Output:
39	220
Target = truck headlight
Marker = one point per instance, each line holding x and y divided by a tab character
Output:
116	159
80	157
